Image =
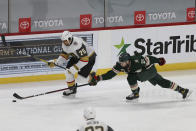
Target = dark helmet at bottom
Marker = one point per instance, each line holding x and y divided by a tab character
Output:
124	57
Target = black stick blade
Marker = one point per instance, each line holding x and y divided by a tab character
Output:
17	96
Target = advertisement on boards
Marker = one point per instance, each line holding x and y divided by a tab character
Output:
190	14
34	24
139	17
47	23
24	25
85	21
171	42
108	20
162	16
14	58
143	17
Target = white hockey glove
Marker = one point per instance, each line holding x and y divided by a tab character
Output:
51	63
61	61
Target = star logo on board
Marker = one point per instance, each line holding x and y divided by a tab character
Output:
122	46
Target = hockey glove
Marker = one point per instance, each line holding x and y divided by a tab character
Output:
51	63
93	79
162	61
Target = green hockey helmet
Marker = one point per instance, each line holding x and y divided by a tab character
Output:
124	57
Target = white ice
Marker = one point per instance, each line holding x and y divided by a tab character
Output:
158	109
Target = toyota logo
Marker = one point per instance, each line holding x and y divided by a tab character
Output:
24	25
191	14
139	17
85	21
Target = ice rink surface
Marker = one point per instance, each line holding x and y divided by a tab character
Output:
158	109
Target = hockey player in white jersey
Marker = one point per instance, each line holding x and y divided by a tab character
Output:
92	124
78	57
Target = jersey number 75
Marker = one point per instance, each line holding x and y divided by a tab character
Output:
82	51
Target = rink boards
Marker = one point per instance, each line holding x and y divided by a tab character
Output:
175	43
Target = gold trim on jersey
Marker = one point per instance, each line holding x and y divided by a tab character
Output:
86	58
76	67
70	84
66	56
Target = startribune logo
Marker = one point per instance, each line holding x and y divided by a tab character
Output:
122	46
174	44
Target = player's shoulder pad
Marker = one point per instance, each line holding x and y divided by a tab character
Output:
76	41
136	57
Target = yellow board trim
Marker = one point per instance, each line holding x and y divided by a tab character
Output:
177	66
167	67
31	78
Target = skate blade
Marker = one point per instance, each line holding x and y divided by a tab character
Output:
132	101
72	96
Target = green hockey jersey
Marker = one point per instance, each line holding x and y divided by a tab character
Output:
142	67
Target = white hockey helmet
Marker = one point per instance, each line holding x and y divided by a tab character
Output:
89	113
66	35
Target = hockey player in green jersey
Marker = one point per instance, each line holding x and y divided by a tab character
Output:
139	68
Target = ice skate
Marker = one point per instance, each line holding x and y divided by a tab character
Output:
132	96
71	92
185	93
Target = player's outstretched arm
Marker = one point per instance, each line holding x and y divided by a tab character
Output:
94	79
109	75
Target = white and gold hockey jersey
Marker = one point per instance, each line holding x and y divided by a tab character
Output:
78	48
94	125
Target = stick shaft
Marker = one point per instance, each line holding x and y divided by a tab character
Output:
49	92
47	62
29	55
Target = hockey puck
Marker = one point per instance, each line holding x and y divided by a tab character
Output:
13	100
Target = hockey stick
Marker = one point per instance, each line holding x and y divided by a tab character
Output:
45	61
49	92
29	55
